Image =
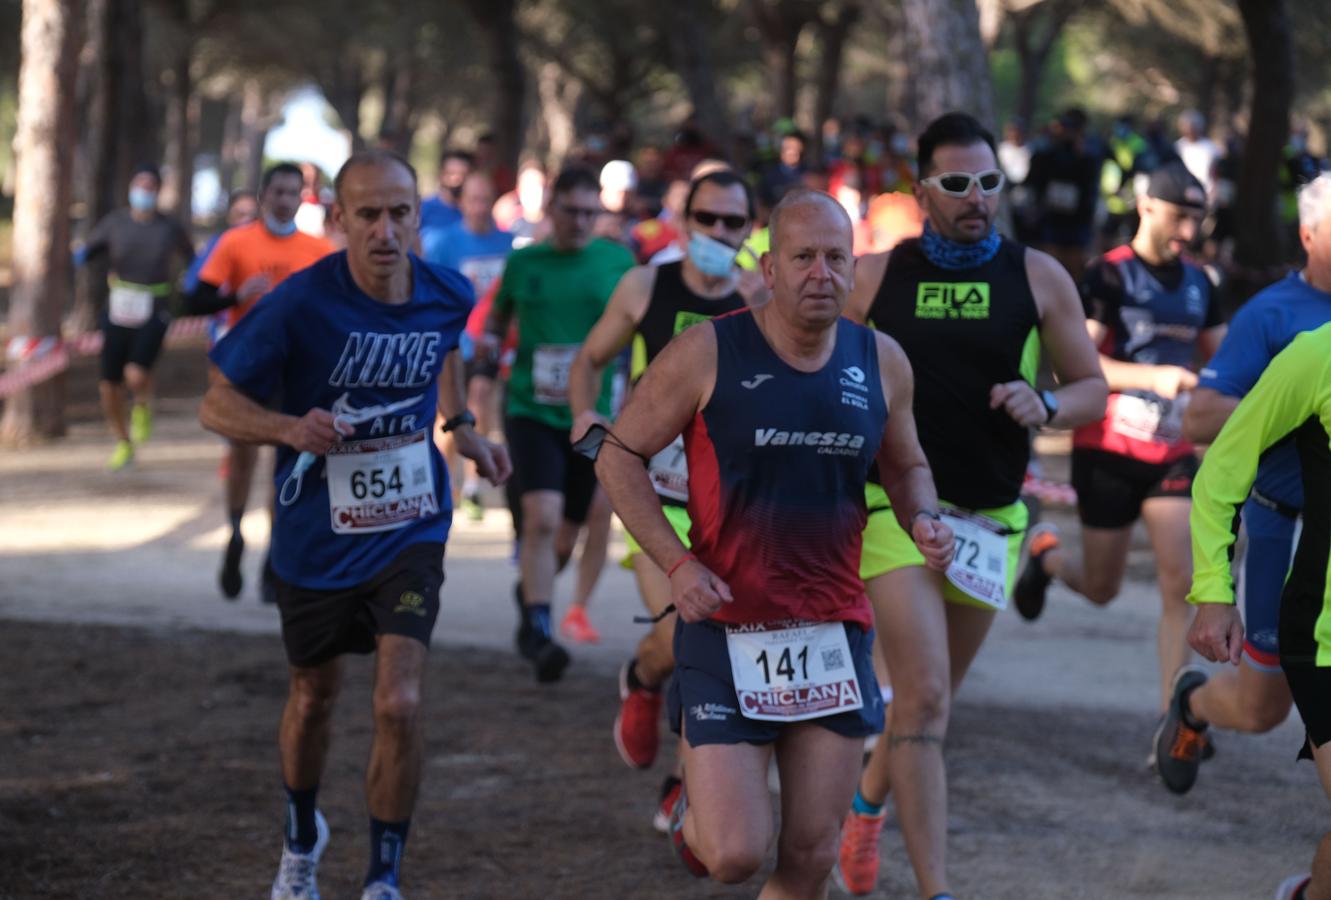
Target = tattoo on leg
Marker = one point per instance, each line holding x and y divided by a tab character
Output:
896	740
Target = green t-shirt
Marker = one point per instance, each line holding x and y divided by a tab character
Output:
556	297
1291	399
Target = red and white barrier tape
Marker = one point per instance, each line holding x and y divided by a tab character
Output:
37	359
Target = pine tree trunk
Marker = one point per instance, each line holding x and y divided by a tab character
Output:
1258	249
43	143
949	68
692	57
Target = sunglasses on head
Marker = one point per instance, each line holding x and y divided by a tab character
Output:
960	184
708	219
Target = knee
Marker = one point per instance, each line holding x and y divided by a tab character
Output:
809	857
312	700
1259	718
921	703
539	524
733	862
396	708
1101	591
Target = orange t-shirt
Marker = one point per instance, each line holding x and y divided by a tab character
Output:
248	250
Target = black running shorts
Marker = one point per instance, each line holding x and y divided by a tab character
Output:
140	346
1111	488
1311	688
402	598
543	460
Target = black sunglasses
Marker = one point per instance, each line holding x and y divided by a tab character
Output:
708	219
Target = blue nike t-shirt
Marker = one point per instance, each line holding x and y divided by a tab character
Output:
329	345
1263	327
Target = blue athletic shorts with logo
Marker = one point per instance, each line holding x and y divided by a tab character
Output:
703	691
1261	580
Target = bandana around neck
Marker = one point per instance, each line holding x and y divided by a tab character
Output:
948	254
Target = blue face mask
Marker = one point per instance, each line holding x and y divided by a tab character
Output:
710	255
279	229
141	200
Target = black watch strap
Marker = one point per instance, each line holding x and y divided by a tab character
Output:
463	418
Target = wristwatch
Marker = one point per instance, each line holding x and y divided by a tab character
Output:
1050	405
463	418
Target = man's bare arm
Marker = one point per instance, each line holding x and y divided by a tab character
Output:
1082	390
674	388
904	470
1207	413
492	462
608	337
228	412
902	466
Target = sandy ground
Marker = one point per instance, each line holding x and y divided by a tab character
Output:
139	709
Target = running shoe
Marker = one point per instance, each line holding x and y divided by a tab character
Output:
637	735
577	627
140	424
535	644
380	890
1290	887
471	506
670	789
297	873
691	862
1034	583
122	456
230	579
1178	746
856	870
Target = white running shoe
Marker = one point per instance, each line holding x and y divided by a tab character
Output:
1290	885
297	873
380	890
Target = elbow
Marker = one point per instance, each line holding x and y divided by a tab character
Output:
1092	397
1198	423
1193	431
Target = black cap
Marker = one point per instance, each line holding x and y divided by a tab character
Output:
1173	183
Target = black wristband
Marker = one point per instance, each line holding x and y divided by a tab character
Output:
930	513
463	418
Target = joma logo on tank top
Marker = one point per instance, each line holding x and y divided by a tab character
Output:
952	300
387	360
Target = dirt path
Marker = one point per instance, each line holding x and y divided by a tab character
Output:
138	715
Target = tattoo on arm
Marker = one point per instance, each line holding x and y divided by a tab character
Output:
896	740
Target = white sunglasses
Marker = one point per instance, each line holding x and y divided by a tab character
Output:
960	184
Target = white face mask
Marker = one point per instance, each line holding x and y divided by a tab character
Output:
712	257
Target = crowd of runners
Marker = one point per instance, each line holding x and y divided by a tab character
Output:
809	393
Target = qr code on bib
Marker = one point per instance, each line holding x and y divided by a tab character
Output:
833	659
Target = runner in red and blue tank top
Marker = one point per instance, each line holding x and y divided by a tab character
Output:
1152	314
783	410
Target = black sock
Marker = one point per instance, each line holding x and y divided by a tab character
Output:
302	832
669	785
234	518
537	617
1188	719
387	841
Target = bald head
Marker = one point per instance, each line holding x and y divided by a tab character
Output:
810	267
801	204
372	159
